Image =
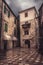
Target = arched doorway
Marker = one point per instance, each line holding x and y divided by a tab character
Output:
27	42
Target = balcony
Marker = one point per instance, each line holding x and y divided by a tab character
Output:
26	25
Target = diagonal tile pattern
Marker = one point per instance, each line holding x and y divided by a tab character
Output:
21	56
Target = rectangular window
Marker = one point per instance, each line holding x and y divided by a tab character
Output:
26	32
4	9
15	32
6	27
26	14
15	21
8	13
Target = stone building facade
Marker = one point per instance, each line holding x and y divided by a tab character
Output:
29	29
8	28
41	28
25	29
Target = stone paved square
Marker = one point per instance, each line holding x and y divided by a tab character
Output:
21	56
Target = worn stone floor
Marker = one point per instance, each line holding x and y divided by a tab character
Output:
21	56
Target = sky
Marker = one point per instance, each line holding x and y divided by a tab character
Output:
18	5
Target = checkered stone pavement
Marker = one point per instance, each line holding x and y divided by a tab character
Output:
21	56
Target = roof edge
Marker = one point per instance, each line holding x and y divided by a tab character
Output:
40	7
9	8
29	9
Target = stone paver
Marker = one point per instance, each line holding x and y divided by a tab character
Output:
21	56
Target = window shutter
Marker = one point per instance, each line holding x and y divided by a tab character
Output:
6	27
8	13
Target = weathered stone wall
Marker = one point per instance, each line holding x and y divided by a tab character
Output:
11	26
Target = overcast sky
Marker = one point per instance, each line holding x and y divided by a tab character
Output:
18	5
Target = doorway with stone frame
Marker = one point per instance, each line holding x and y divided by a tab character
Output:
27	42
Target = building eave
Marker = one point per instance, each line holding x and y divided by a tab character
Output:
28	9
